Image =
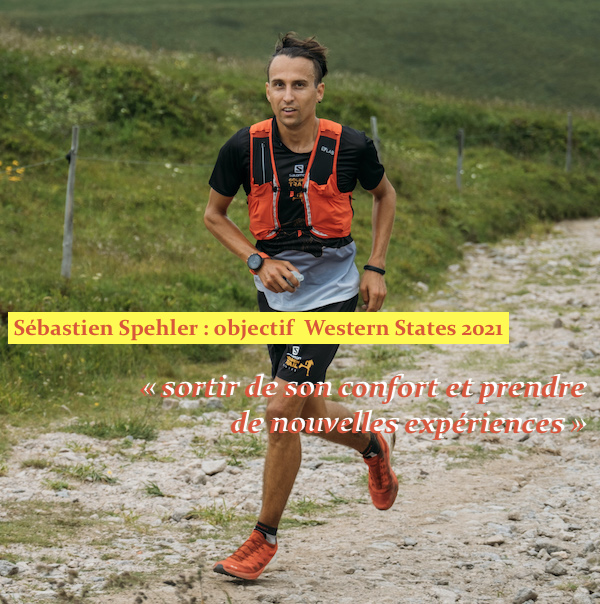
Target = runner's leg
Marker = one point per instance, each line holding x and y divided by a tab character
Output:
317	407
283	456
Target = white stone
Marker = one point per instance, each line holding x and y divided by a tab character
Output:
212	467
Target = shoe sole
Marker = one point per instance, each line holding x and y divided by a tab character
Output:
219	568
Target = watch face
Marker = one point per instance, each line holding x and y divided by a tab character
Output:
255	262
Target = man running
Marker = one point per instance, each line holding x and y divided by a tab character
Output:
299	172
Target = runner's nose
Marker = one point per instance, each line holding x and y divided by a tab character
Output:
288	97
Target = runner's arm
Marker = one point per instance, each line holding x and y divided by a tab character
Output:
272	272
372	286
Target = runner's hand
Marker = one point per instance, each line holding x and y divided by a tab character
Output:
372	290
274	273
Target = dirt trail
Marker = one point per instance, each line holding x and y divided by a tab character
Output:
481	517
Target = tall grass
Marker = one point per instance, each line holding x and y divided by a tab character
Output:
140	244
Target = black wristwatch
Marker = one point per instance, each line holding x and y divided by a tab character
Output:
255	261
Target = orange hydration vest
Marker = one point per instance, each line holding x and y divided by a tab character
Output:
327	210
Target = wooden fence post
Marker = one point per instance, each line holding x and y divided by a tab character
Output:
460	137
68	230
569	141
375	135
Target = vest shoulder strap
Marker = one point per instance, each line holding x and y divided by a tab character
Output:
325	155
261	166
262	129
326	128
324	159
330	129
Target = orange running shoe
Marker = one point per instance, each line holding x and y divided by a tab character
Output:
249	561
383	484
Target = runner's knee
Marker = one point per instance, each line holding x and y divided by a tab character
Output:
288	407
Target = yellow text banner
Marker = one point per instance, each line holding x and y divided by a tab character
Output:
258	328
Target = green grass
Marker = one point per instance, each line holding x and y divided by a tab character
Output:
337	499
153	490
239	447
287	523
140	244
570	586
306	507
544	51
468	455
388	357
216	515
227	519
138	428
43	524
85	473
57	485
492	362
432	407
38	464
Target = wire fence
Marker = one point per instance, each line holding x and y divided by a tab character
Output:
460	137
43	163
15	171
144	163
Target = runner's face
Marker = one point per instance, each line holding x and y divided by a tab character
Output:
292	92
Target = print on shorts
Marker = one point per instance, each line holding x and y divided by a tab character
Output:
294	362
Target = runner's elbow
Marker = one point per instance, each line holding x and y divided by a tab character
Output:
212	218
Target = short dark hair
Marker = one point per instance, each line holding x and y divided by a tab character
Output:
290	45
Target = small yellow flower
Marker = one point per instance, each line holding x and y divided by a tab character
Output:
15	179
20	170
15	162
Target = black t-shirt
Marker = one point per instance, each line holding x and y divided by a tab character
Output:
357	162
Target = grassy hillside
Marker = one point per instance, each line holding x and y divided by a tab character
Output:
544	51
151	126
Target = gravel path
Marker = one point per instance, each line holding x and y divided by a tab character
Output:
481	517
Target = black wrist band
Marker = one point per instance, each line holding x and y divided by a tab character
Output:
375	269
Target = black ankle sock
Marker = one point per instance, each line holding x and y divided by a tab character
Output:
373	449
269	532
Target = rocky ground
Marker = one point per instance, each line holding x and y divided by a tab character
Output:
481	517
